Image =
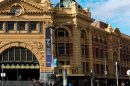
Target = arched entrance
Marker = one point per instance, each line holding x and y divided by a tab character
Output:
19	63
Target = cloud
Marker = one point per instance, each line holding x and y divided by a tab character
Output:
115	12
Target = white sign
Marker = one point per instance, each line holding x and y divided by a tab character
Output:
128	72
3	74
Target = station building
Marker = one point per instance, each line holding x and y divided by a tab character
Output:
86	48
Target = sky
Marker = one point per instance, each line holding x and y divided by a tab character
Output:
114	12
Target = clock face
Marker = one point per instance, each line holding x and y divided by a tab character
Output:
16	10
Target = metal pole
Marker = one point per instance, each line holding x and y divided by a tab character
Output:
53	68
2	83
116	74
64	77
105	72
59	3
91	78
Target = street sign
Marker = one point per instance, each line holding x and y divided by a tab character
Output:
3	74
128	72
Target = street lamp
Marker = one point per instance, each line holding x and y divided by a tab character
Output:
117	74
64	71
92	76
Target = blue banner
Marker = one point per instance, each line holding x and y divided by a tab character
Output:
48	47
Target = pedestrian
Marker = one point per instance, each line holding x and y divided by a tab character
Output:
34	81
122	84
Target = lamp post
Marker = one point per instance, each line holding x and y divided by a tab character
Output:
64	77
105	71
116	73
2	75
91	77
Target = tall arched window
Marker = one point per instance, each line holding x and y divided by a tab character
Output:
63	45
61	32
83	34
17	54
84	46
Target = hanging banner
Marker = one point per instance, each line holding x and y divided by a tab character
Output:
48	48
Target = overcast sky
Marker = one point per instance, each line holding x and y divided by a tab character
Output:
114	12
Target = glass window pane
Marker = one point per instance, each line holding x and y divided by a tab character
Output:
61	49
32	26
34	58
11	54
10	25
23	54
17	54
5	55
21	25
29	55
1	25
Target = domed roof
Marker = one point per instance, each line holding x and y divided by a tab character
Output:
66	3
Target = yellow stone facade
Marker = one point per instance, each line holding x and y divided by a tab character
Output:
74	20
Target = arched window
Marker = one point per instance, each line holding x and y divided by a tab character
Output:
63	44
17	54
83	34
61	32
61	49
84	46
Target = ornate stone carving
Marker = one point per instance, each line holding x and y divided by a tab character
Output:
39	45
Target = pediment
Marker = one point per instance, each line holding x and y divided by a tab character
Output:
28	7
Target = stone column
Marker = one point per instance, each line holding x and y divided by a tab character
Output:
90	50
27	26
111	64
15	26
38	27
76	60
4	27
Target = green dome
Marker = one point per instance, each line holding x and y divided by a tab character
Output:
66	3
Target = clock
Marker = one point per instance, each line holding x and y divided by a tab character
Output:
16	10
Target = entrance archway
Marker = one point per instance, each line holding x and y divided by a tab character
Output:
19	63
